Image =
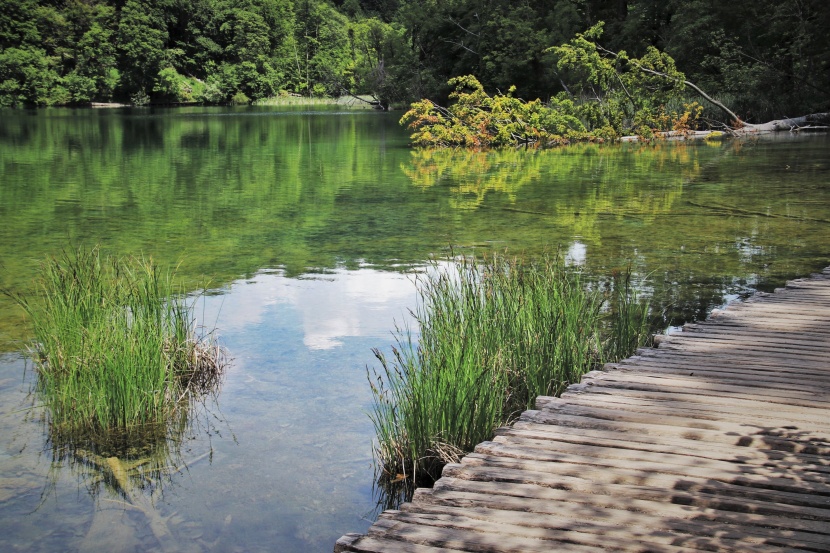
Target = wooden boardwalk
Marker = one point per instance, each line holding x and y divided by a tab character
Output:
718	440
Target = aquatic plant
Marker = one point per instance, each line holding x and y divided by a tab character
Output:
494	334
628	323
116	351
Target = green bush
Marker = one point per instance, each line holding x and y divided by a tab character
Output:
240	99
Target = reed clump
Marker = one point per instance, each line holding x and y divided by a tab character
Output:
494	334
116	351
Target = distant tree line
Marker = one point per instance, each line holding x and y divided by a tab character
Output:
765	58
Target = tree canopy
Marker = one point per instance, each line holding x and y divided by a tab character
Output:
766	58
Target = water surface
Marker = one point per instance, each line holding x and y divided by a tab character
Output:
305	227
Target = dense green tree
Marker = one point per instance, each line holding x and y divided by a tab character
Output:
18	24
87	52
322	60
502	42
142	36
380	60
769	58
766	58
27	73
26	77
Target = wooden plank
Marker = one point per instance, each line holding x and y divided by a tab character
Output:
466	539
807	397
566	437
759	437
381	544
679	458
748	351
743	492
707	394
578	405
508	528
742	375
515	496
704	409
753	335
726	330
761	363
602	525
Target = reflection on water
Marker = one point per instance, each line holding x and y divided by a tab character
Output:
307	223
331	306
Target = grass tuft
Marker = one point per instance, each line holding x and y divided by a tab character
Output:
116	352
494	335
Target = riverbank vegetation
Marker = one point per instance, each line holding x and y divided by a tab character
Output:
611	96
766	59
493	334
116	353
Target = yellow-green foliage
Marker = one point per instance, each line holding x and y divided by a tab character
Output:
621	94
478	120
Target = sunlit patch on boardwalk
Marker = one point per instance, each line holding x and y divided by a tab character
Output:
718	440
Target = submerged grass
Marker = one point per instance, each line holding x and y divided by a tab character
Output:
494	335
117	356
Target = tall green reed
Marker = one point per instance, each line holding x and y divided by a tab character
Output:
628	323
494	334
116	351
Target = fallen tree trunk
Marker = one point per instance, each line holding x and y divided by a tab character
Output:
805	123
812	121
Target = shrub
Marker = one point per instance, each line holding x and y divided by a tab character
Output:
240	99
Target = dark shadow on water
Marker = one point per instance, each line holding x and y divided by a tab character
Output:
392	493
139	462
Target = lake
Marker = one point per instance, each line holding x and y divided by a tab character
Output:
305	228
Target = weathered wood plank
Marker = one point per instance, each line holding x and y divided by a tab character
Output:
466	539
742	493
687	384
508	528
747	436
770	386
514	496
663	417
680	458
708	408
603	525
566	437
744	376
717	394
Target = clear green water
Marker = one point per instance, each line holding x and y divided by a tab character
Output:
306	223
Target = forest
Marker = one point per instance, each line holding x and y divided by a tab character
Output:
764	58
